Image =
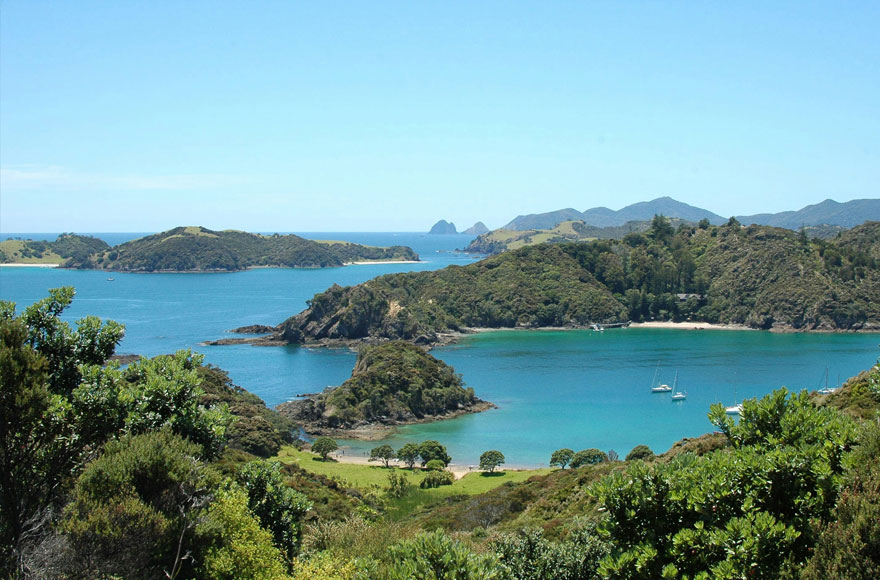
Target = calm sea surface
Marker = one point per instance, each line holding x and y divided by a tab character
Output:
554	389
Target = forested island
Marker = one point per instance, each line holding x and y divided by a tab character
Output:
394	383
198	249
758	276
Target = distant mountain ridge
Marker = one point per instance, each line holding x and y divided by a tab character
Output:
829	212
602	217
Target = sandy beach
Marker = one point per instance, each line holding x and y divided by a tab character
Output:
368	262
458	471
689	326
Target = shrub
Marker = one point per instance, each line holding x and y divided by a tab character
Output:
590	456
434	479
639	452
435	465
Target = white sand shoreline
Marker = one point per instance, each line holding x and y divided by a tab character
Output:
18	265
690	326
458	471
369	263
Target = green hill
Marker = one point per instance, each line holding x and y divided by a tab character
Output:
759	276
392	383
66	248
186	249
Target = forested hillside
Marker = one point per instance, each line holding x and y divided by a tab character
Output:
757	276
67	248
392	383
185	249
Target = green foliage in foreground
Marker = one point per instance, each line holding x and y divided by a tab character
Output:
743	512
758	276
105	470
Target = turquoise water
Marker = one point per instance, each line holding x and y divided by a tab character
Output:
554	389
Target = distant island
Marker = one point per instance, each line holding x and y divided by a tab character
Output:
198	249
393	383
443	227
67	248
476	229
758	277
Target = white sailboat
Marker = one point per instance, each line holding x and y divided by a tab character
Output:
736	408
825	390
676	394
656	386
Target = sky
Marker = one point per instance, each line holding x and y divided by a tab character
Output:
387	116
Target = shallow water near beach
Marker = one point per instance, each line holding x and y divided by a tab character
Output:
553	389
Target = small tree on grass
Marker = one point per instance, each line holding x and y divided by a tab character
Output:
590	456
384	453
561	457
491	459
431	449
409	454
323	446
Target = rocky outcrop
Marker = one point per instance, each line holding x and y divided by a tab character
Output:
443	227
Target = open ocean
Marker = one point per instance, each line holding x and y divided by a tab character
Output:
554	389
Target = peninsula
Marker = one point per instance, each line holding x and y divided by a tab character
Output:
758	276
394	383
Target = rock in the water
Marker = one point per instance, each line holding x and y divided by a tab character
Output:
443	227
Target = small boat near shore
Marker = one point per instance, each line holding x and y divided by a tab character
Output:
734	409
825	390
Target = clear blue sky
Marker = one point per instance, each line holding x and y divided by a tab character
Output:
386	116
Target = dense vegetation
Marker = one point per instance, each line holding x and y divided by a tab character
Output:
67	248
395	382
112	472
757	276
185	249
791	491
502	240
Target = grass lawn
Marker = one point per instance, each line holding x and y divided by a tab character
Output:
367	476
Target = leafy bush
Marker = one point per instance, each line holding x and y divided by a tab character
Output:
590	456
639	452
436	479
435	555
435	465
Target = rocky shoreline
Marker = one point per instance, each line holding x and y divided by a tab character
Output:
370	431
